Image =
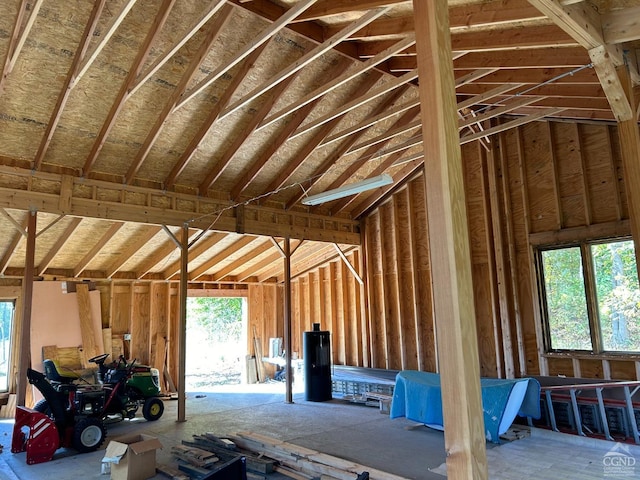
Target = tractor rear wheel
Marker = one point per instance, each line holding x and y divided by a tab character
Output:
88	434
152	409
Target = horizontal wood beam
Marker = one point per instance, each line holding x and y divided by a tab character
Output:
106	200
578	234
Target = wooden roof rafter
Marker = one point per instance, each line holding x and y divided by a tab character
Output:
106	35
65	91
222	163
57	246
224	272
367	155
338	81
259	163
124	92
584	24
21	29
357	102
197	250
192	69
257	41
346	144
221	256
374	196
325	8
542	113
462	19
212	117
148	232
306	59
161	254
316	262
145	75
19	234
389	160
286	173
265	263
95	250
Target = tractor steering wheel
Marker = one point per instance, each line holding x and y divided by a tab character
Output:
99	359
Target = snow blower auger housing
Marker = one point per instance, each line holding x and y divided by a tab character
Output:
40	434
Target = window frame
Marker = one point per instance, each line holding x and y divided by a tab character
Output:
591	297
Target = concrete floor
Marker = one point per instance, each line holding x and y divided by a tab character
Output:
350	431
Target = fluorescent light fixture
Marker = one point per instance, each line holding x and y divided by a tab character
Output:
350	189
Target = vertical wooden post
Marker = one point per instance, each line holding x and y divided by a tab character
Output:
630	150
287	320
182	330
449	242
27	296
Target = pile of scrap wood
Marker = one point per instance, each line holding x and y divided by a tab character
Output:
207	453
306	464
266	458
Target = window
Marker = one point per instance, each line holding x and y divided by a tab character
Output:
6	329
591	298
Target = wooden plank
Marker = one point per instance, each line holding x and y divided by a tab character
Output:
50	352
9	410
89	344
394	348
170	472
140	324
308	460
258	40
498	277
512	259
70	357
24	326
257	348
107	342
117	347
376	291
419	235
194	456
529	277
630	151
406	287
449	241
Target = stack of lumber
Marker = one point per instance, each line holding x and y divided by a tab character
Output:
208	453
306	464
266	457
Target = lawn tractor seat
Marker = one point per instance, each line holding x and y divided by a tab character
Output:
53	374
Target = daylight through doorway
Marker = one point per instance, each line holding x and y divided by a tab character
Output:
216	342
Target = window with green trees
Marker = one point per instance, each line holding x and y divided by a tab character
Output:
6	331
591	297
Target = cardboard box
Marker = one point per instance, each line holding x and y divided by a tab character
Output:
132	457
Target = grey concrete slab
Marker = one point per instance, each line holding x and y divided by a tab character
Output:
354	432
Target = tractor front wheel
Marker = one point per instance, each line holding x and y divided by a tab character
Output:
152	409
88	434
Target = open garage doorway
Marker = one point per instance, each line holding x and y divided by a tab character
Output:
216	342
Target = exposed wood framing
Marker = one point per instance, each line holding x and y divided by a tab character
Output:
449	242
21	29
630	152
24	360
163	209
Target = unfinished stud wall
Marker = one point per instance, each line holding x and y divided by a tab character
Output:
333	297
398	282
533	185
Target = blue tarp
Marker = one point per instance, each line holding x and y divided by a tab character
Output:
417	396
